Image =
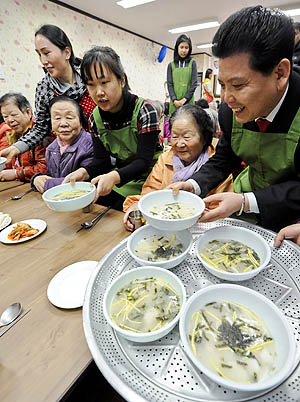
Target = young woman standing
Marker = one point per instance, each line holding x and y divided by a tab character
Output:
62	78
181	75
124	126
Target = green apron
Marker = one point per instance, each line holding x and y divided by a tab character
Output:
122	145
269	156
181	83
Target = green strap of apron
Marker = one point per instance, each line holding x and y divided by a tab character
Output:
181	82
122	145
269	156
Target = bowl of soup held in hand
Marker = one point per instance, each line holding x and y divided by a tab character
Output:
237	337
154	247
233	253
144	304
2	163
69	197
165	211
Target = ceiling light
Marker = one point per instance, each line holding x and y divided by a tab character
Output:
206	46
132	3
188	28
293	12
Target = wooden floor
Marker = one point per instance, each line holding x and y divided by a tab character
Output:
92	387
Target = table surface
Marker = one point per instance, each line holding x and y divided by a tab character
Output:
44	353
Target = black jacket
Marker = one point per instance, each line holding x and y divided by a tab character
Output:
279	204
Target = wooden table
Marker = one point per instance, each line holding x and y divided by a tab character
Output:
43	354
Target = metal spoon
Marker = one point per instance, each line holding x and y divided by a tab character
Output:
19	196
10	314
88	225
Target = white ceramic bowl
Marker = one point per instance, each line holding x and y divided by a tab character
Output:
266	310
73	204
147	231
243	235
166	196
2	163
139	273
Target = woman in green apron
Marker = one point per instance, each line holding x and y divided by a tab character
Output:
125	131
181	74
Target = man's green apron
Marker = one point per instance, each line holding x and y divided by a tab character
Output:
122	145
181	82
269	156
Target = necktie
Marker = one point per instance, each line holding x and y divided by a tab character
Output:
263	125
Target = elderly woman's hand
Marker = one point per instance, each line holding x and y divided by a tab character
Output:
129	226
222	205
181	185
39	182
291	232
8	175
79	175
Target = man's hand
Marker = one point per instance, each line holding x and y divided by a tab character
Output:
181	185
39	182
105	183
8	175
79	175
177	103
291	232
9	153
219	206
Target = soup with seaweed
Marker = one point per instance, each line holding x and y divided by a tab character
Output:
232	341
69	195
230	256
145	305
172	210
159	248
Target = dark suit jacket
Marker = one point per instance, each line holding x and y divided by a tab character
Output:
279	204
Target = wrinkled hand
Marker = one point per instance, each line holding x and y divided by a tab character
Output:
105	183
9	153
181	185
79	175
129	226
39	182
219	206
8	175
291	232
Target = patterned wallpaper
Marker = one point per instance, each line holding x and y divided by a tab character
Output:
20	65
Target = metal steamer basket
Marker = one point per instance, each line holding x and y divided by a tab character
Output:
160	371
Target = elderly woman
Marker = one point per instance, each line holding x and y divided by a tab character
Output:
17	114
72	148
191	137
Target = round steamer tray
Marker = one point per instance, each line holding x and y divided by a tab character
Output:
160	371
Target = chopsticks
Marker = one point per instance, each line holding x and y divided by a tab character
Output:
8	188
13	323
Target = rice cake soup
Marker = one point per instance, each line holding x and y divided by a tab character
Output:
172	210
159	248
230	340
145	305
230	256
69	195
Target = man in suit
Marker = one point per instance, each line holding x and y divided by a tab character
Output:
260	121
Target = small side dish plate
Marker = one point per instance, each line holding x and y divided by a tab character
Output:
34	223
67	288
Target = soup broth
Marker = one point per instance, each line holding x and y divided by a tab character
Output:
69	195
230	340
159	248
172	210
145	305
230	255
